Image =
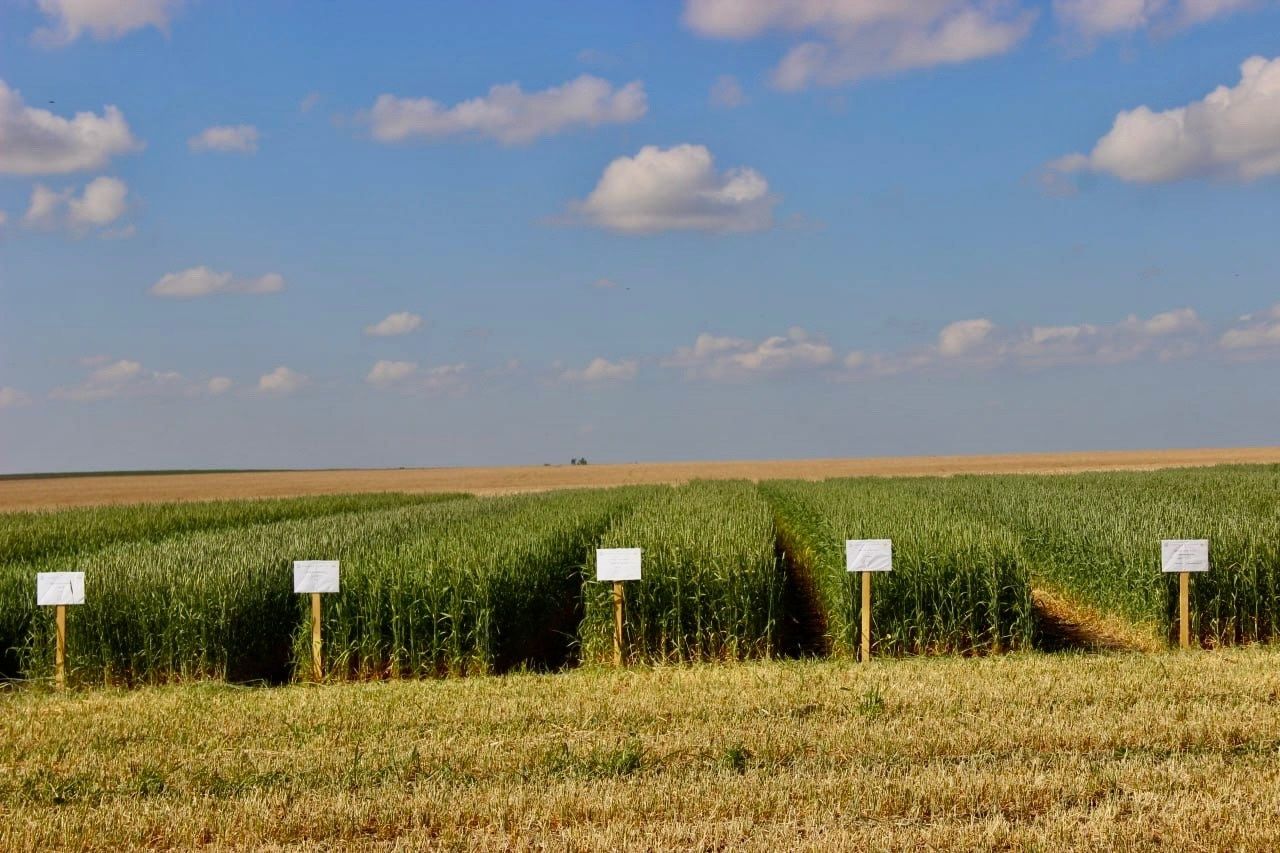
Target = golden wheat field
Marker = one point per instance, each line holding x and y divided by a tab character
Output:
40	493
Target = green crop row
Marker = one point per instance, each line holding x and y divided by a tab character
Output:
1096	539
70	540
957	585
480	586
446	587
30	536
711	587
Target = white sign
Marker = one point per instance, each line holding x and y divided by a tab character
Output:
868	555
54	588
1184	555
315	575
617	564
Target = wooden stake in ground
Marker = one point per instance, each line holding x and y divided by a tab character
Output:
315	577
618	565
57	590
1184	556
60	651
618	620
866	616
866	556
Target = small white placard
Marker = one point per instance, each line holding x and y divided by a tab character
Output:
54	588
315	575
617	564
868	555
1184	555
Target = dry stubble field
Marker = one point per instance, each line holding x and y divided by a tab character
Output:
43	493
1026	751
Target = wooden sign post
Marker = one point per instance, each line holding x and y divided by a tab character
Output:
618	565
58	590
866	556
315	577
1184	556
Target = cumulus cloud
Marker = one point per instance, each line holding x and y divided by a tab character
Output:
1097	18
963	336
11	398
1254	332
727	93
842	41
400	323
407	376
601	370
37	142
718	358
203	281
102	202
1233	134
981	343
235	139
281	381
677	189
102	19
116	378
387	373
508	113
44	207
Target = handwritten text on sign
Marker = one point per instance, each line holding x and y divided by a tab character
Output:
315	575
617	564
54	588
1184	555
868	555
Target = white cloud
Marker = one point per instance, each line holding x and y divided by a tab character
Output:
669	189
103	19
508	113
237	139
1233	133
281	381
1254	332
604	284
400	323
42	211
446	377
1097	18
407	376
310	102
848	40
218	385
387	373
102	202
37	142
124	377
727	92
202	281
601	370
11	398
963	336
719	358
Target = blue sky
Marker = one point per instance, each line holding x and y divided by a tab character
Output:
267	235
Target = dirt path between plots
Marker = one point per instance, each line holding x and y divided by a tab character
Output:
37	493
1062	624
